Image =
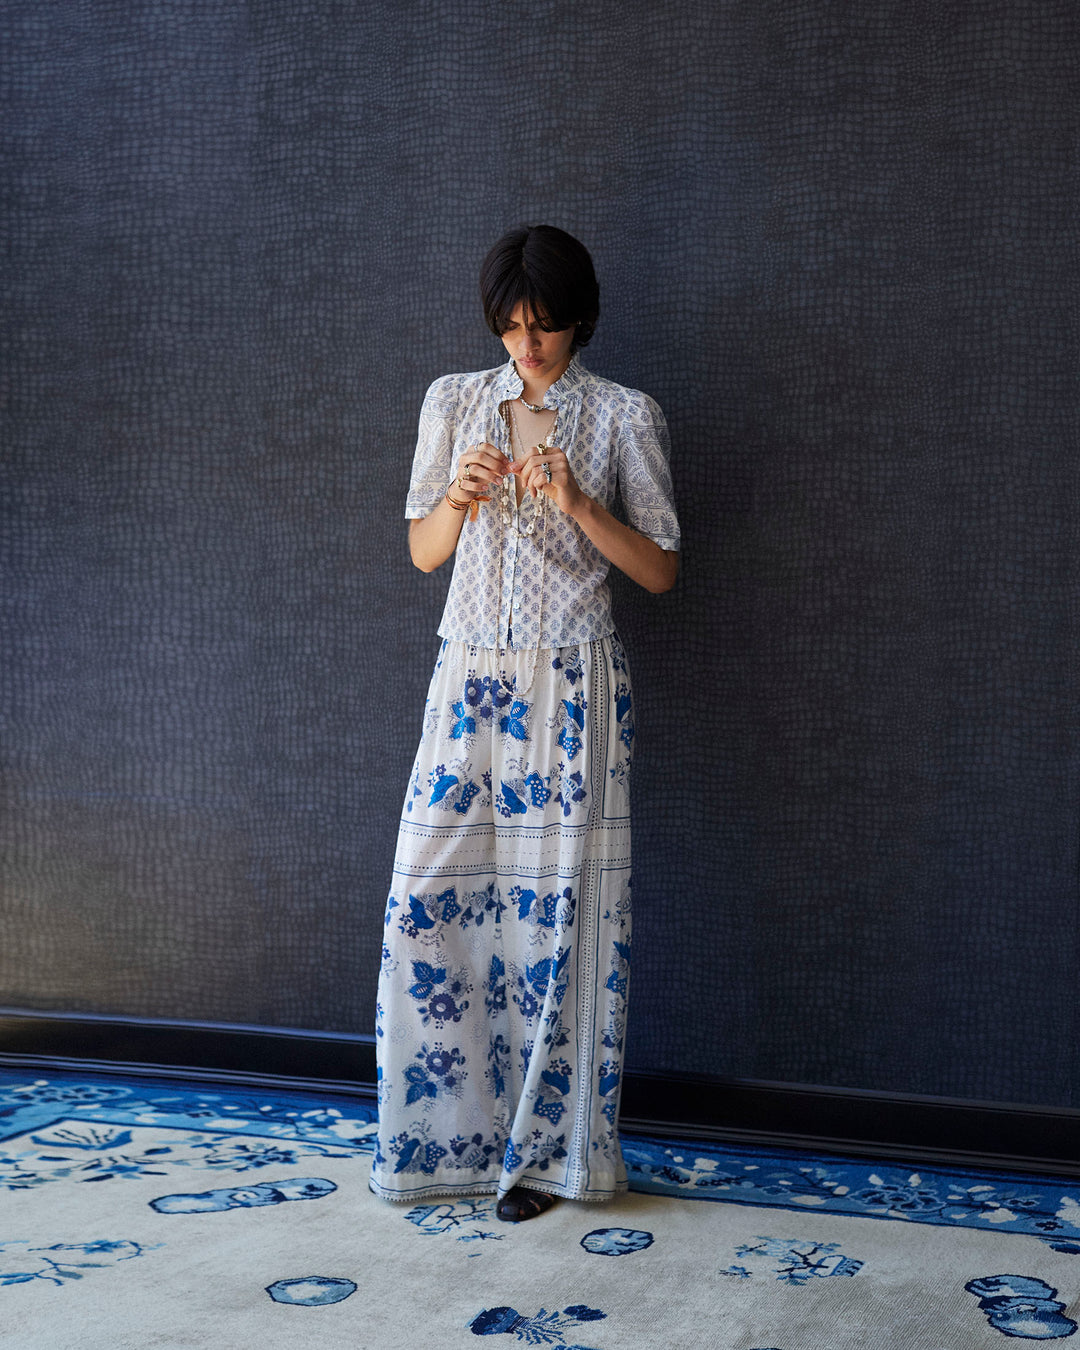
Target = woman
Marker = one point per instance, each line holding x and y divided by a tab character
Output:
502	994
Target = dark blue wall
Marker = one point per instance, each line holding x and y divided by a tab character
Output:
836	242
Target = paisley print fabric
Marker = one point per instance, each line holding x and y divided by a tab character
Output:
551	585
503	987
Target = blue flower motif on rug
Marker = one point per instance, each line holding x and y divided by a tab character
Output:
27	1106
616	1241
20	1094
311	1291
1022	1307
794	1261
994	1202
543	1328
245	1197
92	1152
455	1217
64	1261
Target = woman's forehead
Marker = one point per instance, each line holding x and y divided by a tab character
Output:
522	314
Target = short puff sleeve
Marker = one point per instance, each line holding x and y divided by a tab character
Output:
644	472
434	450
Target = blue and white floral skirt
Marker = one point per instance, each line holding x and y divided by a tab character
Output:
502	994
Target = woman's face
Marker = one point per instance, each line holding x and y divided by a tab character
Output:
539	356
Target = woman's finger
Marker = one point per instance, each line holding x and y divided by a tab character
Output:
477	476
481	464
486	451
489	459
537	480
539	454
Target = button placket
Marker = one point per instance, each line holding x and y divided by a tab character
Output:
509	569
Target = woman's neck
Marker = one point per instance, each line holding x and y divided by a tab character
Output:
533	389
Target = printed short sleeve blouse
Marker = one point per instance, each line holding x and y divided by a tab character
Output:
549	587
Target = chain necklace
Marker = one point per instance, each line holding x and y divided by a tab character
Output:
506	511
532	407
506	505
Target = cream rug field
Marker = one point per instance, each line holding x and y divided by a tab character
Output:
138	1214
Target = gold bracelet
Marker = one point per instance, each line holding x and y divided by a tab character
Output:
456	505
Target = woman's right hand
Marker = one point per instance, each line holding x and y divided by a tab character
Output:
433	538
480	468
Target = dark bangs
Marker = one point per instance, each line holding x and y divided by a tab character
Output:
550	273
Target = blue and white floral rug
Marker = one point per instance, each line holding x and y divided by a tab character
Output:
137	1214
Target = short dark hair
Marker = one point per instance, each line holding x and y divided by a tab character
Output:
547	270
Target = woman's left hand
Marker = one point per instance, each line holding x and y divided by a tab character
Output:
545	469
639	557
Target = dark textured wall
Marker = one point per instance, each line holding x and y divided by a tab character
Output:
835	242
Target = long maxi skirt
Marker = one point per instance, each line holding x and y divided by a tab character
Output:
502	993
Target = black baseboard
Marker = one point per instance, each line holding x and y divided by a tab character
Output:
909	1129
157	1048
856	1122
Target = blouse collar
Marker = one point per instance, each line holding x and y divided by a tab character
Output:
509	384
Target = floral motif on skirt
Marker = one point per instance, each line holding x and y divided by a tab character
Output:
502	994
